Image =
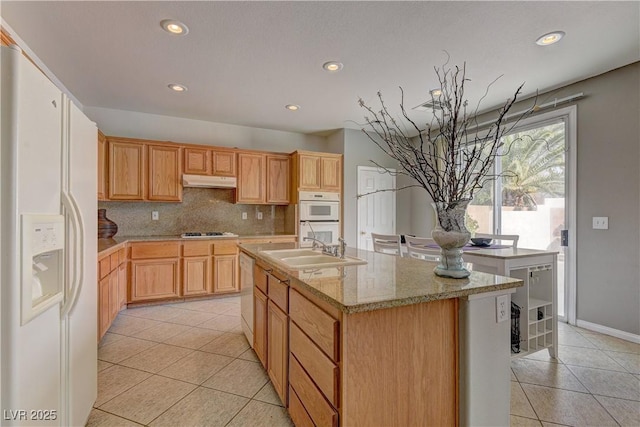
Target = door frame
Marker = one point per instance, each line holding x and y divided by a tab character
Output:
570	116
380	171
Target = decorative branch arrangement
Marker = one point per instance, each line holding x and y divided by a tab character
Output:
452	157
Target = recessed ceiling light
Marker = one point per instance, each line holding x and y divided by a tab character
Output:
550	38
292	107
174	27
177	87
332	66
435	92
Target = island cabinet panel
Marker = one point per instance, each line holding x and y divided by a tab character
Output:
410	343
223	163
155	279
165	173
126	170
260	326
278	349
319	410
197	161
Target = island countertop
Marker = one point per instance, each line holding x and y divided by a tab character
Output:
385	281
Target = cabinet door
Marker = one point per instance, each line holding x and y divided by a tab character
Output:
195	276
114	299
224	163
197	161
251	178
104	309
225	274
331	168
309	172
102	166
278	179
126	170
165	174
154	279
122	285
278	349
260	326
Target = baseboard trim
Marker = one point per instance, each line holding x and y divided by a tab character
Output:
608	331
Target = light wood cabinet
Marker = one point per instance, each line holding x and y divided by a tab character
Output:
104	309
203	161
260	325
112	287
195	280
225	273
155	279
251	179
278	181
278	349
102	166
312	171
126	170
165	173
122	286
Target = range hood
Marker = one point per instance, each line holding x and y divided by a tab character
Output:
204	181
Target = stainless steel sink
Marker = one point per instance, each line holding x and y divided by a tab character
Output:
299	259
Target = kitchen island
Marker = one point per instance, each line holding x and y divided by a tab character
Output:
381	344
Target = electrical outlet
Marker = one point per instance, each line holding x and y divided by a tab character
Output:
259	215
244	215
600	222
155	215
502	305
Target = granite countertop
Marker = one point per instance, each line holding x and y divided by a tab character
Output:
508	253
108	244
385	281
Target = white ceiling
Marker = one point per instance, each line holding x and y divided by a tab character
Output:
243	61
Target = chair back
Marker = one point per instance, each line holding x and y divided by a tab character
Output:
422	248
503	238
387	244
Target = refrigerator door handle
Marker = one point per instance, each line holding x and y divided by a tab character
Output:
78	248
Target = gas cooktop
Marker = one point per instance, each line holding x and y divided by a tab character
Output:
206	235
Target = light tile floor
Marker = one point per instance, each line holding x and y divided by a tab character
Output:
188	364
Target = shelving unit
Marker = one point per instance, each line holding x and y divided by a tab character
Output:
536	299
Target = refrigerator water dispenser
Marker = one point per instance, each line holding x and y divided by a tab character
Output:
42	264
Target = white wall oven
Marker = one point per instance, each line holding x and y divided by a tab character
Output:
319	217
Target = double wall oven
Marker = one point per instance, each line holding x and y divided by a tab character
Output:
319	217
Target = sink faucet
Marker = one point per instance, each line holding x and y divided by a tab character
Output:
316	242
343	246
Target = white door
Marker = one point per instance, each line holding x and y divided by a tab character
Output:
376	210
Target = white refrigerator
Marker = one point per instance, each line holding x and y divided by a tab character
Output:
48	251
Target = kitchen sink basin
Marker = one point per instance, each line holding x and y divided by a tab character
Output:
298	259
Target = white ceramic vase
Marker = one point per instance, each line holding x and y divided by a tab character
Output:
451	235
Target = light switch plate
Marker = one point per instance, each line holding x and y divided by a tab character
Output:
244	215
600	222
502	308
259	215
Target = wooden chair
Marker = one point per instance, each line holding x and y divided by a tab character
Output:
422	248
502	238
387	244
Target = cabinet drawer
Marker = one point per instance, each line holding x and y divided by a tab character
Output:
195	248
155	250
105	266
298	414
319	367
122	255
225	248
320	411
279	292
318	325
260	279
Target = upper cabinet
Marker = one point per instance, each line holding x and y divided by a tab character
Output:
165	173
102	166
202	161
138	170
263	179
313	171
126	170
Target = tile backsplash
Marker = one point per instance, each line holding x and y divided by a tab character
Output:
202	209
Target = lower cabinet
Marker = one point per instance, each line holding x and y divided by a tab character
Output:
195	276
225	274
112	287
260	326
155	279
278	348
